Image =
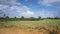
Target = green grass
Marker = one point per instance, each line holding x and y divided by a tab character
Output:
30	24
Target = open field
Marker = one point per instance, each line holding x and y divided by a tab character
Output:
47	26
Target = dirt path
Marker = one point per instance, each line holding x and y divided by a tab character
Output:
14	30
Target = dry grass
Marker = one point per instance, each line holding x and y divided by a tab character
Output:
30	27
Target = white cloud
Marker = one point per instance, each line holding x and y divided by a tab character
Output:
7	8
15	9
12	7
28	13
45	2
9	2
25	8
3	7
18	4
45	13
54	3
19	10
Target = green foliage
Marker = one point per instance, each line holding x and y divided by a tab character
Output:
54	24
39	17
21	19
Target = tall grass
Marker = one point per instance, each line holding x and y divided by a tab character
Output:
53	24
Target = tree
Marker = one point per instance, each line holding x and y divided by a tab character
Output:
56	18
15	17
22	17
4	16
39	17
7	16
32	18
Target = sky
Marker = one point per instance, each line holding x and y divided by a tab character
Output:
30	8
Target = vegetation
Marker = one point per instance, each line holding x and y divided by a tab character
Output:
50	24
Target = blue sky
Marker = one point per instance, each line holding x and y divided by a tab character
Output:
30	8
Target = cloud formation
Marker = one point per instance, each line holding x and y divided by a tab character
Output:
44	13
8	2
13	11
28	14
14	8
54	3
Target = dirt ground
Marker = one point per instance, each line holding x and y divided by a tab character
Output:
14	30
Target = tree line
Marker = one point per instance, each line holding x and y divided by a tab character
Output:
21	18
24	19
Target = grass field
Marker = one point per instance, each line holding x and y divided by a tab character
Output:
41	25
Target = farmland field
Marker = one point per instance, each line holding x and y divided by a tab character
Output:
48	26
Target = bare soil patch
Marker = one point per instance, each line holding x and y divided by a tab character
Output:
14	30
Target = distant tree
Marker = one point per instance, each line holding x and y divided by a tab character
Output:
32	18
22	18
7	16
4	16
56	18
39	17
15	17
48	17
